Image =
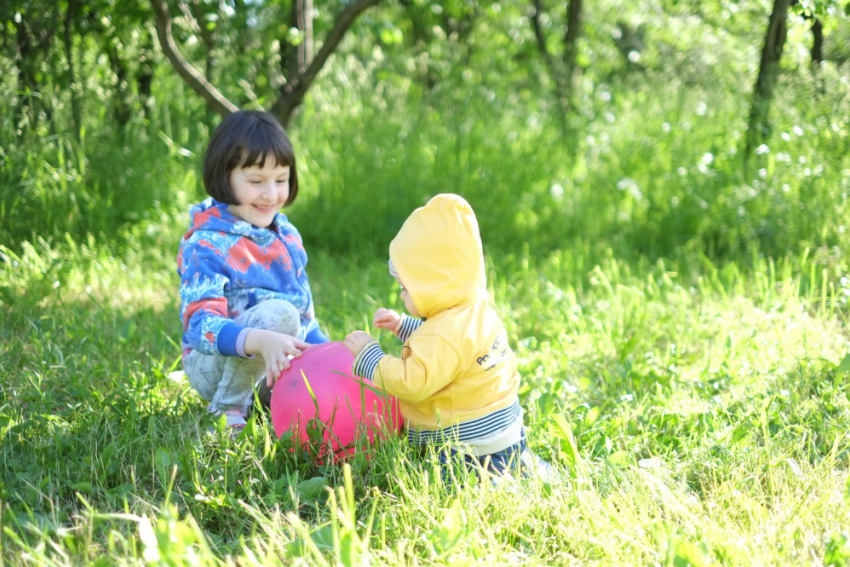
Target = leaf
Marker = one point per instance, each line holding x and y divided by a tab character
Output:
564	432
323	538
845	364
591	416
689	555
741	432
452	528
621	458
106	457
162	464
84	487
311	488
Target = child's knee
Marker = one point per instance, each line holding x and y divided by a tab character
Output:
276	315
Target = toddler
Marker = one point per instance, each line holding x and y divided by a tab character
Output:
456	380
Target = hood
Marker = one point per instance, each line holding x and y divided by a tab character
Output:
438	255
212	215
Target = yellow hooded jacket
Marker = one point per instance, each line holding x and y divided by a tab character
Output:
456	374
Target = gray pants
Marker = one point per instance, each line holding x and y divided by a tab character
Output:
228	381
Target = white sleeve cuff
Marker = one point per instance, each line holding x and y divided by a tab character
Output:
367	361
408	325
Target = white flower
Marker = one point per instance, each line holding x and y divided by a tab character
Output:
763	149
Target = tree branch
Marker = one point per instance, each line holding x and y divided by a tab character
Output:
574	18
292	93
199	84
538	31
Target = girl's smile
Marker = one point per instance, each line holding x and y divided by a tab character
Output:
260	191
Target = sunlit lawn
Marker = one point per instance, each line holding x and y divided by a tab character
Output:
697	416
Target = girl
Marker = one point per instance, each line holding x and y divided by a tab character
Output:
245	298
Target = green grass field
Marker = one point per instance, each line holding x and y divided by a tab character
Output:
699	416
679	311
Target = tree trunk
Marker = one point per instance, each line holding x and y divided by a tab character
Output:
305	24
817	42
291	93
144	75
574	22
758	126
562	72
76	115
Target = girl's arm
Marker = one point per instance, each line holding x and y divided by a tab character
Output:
203	306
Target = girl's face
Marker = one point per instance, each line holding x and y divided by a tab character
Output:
261	191
408	301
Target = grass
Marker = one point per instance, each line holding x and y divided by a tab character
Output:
679	315
698	413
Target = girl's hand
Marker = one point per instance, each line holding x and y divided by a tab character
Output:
387	319
274	348
356	341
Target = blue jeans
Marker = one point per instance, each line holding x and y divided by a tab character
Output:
499	463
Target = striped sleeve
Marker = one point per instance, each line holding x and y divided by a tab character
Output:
407	326
367	361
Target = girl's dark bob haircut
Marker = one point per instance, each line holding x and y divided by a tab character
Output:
246	138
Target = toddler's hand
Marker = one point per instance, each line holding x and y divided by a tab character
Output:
387	319
356	341
274	348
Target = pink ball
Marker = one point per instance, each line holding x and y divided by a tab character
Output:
346	405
